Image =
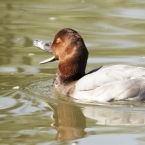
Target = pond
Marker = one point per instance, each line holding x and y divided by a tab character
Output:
30	112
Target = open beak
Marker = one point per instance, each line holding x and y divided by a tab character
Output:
46	47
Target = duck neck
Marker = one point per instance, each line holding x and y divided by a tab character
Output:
66	87
70	72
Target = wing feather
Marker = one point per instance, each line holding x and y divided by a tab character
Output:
112	83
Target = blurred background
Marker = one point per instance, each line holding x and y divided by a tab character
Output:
114	33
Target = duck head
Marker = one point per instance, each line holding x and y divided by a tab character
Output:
69	49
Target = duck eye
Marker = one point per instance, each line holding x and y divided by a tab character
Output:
58	40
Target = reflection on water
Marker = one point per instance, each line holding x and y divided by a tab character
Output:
115	116
113	32
69	121
113	113
61	120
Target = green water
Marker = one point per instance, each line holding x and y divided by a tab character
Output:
30	113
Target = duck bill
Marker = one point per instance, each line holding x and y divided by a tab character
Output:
42	45
48	60
46	47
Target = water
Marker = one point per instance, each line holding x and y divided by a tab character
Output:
30	112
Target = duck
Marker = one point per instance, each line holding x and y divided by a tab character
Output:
103	84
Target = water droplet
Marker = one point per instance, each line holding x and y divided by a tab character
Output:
31	54
52	18
74	143
16	87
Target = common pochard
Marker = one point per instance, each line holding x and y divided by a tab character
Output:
107	83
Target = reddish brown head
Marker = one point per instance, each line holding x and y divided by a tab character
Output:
68	47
